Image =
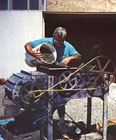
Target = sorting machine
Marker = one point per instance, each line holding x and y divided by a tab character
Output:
52	85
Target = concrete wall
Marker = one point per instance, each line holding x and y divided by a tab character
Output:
16	29
81	5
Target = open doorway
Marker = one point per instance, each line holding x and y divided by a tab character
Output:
91	34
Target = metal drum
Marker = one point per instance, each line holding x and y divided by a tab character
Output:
19	86
48	52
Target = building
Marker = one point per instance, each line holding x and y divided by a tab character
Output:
90	26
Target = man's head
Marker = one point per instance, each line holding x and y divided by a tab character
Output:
61	32
59	36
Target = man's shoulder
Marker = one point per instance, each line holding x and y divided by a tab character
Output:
67	44
48	39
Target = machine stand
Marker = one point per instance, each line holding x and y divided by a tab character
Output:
105	115
89	104
50	115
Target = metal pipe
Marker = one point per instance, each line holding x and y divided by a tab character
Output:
40	5
50	115
44	5
28	4
8	5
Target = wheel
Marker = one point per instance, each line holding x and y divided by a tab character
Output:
99	71
68	83
25	95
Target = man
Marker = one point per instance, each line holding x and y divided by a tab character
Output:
65	53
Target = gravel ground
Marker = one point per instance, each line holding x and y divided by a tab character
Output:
77	108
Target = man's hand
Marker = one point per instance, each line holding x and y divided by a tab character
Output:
65	61
36	53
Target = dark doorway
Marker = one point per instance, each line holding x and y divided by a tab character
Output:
91	34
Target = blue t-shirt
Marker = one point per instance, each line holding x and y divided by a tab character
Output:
62	52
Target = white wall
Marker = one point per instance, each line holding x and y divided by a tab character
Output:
16	29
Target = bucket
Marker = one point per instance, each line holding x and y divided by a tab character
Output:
48	52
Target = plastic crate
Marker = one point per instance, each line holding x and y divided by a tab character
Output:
6	135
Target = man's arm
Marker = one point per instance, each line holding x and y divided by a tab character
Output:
32	52
66	60
76	57
28	48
